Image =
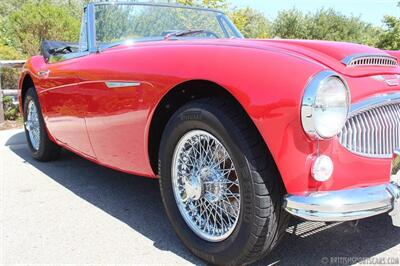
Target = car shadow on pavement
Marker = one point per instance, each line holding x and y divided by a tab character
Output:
136	201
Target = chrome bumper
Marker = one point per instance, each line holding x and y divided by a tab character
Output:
346	205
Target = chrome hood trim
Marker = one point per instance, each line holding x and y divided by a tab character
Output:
374	101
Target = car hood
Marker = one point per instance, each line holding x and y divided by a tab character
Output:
331	54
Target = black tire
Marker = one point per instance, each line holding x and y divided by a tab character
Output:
47	150
262	220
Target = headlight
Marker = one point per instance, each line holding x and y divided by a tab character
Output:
325	105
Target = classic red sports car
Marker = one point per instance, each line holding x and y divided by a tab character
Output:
241	133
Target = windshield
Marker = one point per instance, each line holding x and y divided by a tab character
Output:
117	23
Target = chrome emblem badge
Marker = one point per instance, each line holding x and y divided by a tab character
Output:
394	80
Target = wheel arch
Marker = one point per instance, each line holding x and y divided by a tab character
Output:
27	82
176	98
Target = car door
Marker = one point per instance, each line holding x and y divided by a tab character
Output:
117	113
113	89
65	104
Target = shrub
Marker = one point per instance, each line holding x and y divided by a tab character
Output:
11	111
9	76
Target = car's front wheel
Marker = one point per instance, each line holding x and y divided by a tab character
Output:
219	185
40	146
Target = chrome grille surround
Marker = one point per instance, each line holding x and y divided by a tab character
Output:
373	127
370	60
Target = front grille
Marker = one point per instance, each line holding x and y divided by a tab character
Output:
374	132
373	61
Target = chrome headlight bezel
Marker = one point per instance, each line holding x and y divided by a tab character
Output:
308	105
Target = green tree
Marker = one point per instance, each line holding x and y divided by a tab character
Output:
251	23
27	27
290	24
328	24
9	53
325	24
390	38
9	76
74	6
8	6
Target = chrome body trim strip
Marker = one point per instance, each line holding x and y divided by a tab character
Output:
344	205
121	84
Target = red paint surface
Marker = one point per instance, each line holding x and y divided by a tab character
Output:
110	126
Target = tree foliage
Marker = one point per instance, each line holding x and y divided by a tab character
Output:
390	38
290	24
10	109
9	76
25	23
251	23
9	53
32	23
325	24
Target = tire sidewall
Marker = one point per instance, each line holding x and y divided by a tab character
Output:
192	118
32	96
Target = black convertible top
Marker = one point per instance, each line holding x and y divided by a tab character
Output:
49	48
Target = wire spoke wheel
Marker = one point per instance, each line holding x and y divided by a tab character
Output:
206	186
32	125
220	186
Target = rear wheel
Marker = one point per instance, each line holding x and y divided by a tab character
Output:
219	185
40	146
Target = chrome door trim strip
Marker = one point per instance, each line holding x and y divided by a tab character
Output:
121	84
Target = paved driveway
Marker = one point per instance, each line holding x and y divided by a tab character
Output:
73	211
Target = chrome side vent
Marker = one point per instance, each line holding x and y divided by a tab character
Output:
370	60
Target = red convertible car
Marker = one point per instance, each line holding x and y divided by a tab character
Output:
242	133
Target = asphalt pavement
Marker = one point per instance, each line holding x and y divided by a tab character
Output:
72	211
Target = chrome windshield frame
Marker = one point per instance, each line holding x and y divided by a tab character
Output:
155	4
91	28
